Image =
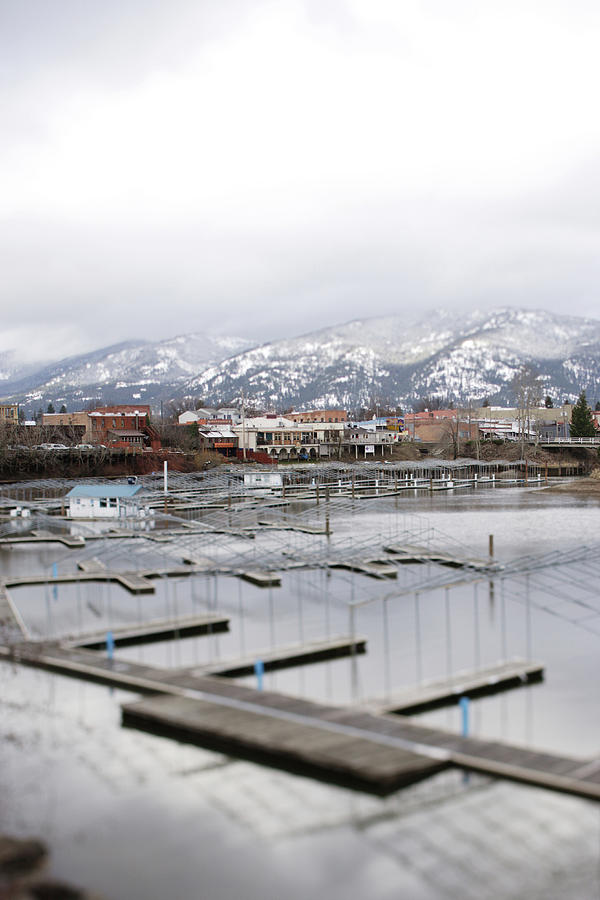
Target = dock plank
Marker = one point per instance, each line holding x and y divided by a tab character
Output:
472	683
153	631
260	579
337	758
284	657
382	752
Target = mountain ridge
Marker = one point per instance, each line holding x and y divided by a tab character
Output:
395	359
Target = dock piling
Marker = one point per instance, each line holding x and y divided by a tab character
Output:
464	710
259	669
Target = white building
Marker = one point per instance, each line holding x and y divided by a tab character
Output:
229	412
283	439
105	501
263	480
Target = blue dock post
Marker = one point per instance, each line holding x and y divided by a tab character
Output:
464	708
259	668
110	644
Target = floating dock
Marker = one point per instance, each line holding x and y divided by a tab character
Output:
404	553
94	570
284	657
45	537
375	568
261	579
375	753
448	691
153	632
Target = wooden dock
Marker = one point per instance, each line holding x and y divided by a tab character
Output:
375	753
303	747
261	579
92	565
134	582
45	537
291	526
405	553
375	568
153	632
448	691
284	657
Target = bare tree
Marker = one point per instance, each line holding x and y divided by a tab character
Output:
527	388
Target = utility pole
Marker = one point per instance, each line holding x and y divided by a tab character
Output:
243	428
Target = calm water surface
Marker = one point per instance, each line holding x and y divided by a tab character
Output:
135	816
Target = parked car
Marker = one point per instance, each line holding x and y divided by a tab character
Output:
47	446
83	447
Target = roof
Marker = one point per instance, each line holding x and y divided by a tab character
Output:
109	491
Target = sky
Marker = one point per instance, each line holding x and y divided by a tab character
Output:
264	169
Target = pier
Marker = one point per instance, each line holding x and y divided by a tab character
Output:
405	553
284	657
152	632
448	691
372	752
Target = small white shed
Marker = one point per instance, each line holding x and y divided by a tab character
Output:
104	501
263	479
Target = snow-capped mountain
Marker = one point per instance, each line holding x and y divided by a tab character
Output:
134	370
394	360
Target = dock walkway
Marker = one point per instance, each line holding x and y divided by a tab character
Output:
376	753
154	631
284	657
448	691
406	553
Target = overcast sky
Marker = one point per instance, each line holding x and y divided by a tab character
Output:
266	168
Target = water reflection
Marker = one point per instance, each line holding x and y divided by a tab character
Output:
171	818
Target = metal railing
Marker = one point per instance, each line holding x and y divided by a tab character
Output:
572	440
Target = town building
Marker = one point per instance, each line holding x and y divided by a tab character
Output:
318	415
123	426
75	426
221	439
105	501
366	440
282	439
228	414
9	414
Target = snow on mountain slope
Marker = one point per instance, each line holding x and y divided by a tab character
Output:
141	370
458	357
395	359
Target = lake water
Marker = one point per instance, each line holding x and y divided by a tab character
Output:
136	816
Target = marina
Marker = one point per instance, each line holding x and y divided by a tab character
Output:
376	652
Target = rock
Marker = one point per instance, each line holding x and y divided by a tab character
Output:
19	856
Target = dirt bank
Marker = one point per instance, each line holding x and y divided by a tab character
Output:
581	487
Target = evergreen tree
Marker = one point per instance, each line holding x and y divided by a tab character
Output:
50	408
63	409
548	402
582	421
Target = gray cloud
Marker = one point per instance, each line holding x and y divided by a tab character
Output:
267	168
